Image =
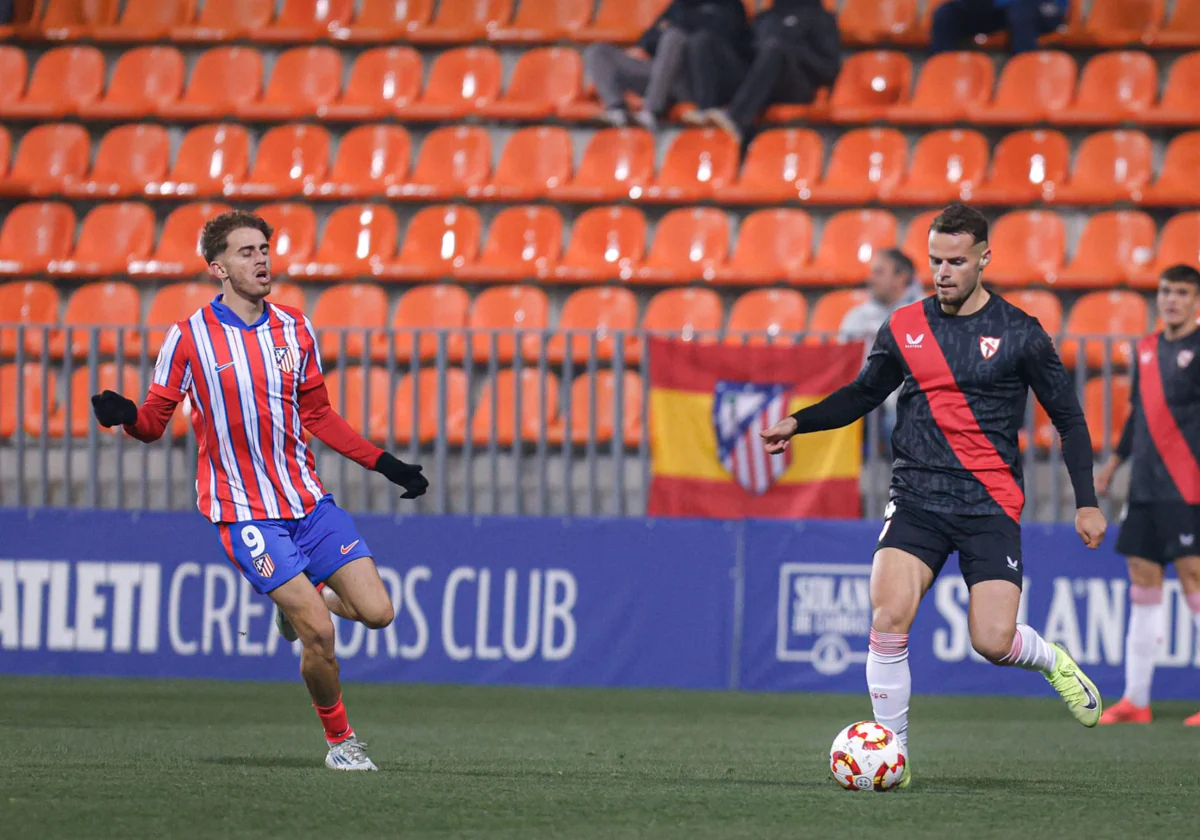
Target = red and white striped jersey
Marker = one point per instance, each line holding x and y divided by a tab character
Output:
244	385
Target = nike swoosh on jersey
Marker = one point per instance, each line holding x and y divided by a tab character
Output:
222	367
346	549
1091	703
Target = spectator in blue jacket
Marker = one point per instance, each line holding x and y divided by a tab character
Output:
958	21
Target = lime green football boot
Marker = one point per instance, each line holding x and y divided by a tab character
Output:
285	627
1078	692
906	776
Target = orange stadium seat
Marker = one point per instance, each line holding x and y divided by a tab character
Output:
772	245
1179	104
304	79
114	305
1179	178
1178	242
38	401
417	402
111	235
848	244
225	20
463	21
1032	86
1026	167
1100	319
950	85
178	250
5	152
423	314
496	409
548	20
600	312
128	158
505	308
1116	246
698	163
605	410
616	162
358	240
523	243
66	19
870	84
460	82
864	162
607	243
292	159
63	80
1028	246
1114	87
49	158
767	316
439	240
1183	27
74	415
543	81
1110	166
143	81
34	303
1041	304
685	314
453	160
371	159
347	317
870	22
146	20
916	242
288	294
172	303
829	311
35	234
13	70
689	243
621	21
223	79
945	165
1095	393
382	81
295	237
534	161
385	21
1113	23
779	164
348	391
304	21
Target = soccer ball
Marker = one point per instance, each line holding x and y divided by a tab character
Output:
866	756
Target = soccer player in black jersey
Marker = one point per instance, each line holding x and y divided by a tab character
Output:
1162	515
964	360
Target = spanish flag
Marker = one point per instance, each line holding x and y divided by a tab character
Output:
708	402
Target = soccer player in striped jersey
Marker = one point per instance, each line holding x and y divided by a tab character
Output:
252	372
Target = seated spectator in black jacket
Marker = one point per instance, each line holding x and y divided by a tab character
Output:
958	21
797	51
688	34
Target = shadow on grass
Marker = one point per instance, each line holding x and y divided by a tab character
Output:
276	762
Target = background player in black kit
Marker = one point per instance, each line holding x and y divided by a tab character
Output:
964	360
1162	515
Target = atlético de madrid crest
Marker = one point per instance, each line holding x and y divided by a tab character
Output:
284	359
988	346
1184	358
740	411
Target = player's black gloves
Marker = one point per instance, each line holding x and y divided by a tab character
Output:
407	476
114	410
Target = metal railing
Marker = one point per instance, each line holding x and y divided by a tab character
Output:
505	422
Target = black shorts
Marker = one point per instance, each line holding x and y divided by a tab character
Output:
1160	531
988	546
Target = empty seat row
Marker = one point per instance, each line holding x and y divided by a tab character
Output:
226	82
1116	247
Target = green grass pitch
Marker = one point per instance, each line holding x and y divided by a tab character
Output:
148	759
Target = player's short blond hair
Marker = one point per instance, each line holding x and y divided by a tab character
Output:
215	236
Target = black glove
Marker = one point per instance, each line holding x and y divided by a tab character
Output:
407	476
114	410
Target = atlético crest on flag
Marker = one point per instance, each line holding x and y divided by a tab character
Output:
988	346
740	411
264	565
283	359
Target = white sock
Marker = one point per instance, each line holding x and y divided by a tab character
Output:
1144	641
1030	651
890	681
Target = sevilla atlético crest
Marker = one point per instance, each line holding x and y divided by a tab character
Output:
1184	358
740	411
264	565
988	346
283	359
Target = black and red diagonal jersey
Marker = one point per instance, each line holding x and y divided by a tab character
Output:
963	381
1163	430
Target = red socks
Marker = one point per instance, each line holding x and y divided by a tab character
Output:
333	718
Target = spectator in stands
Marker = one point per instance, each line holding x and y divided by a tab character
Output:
797	49
688	34
1025	21
892	283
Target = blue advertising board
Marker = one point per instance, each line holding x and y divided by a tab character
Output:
685	603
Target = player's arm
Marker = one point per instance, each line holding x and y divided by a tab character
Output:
172	377
882	374
1124	446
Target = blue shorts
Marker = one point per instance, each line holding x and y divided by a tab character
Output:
270	552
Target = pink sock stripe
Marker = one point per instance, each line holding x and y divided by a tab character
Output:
888	643
1014	653
1146	594
1193	602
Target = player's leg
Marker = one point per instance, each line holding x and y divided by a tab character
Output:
341	559
1188	569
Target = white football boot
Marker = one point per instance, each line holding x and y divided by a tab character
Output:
350	754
